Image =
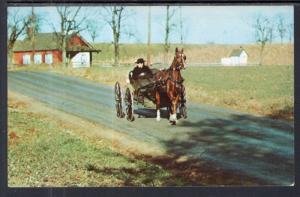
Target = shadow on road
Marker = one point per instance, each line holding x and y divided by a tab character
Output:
257	147
190	172
151	113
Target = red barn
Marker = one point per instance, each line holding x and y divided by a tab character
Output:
46	48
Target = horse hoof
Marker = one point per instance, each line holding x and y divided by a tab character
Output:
173	122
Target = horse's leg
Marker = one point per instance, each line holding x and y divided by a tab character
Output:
174	105
170	95
173	109
157	97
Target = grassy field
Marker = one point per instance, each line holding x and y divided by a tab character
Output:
274	54
264	90
43	152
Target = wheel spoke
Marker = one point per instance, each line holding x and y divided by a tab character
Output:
128	103
118	100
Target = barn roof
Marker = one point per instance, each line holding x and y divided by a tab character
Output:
49	41
236	52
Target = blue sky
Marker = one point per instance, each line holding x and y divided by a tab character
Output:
202	24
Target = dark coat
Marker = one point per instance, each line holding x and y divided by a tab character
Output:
137	71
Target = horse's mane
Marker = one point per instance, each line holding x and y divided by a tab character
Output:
173	63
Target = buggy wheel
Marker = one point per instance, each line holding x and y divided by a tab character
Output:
129	107
118	101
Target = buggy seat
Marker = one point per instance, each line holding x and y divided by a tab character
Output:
144	80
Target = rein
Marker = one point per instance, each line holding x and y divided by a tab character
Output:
175	66
171	69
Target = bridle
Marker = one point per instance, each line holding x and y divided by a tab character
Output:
179	65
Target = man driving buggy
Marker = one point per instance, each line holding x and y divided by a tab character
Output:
140	68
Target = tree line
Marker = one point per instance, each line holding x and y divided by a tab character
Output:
76	19
266	29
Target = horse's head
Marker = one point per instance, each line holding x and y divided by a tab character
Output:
180	59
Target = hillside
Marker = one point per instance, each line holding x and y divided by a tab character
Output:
274	54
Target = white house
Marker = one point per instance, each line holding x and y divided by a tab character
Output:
236	57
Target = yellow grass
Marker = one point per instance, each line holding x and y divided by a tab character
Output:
274	54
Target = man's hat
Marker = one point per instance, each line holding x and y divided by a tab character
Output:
140	60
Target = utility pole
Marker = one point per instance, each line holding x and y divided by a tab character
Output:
149	37
33	23
181	26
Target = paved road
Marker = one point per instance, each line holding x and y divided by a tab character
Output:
254	146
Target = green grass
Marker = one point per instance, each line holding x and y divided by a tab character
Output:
267	90
43	153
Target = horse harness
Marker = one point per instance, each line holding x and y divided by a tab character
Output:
162	83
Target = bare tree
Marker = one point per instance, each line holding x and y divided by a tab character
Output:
181	25
93	27
33	25
32	28
92	30
271	32
149	37
183	28
168	29
115	16
262	28
281	28
16	26
71	21
290	30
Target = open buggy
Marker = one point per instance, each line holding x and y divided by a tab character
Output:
144	87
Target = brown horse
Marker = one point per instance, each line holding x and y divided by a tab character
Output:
172	80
